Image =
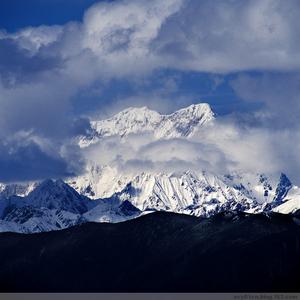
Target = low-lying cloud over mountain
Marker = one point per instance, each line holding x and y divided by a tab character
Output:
220	146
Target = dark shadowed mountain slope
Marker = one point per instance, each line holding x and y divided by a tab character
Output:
159	252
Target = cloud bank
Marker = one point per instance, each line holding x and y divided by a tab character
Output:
221	148
131	37
43	69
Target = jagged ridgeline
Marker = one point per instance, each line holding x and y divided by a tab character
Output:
105	194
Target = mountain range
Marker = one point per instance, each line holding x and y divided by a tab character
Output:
103	193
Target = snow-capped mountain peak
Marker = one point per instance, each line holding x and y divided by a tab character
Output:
184	122
56	194
195	111
136	120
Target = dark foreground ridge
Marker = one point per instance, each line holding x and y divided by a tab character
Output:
160	252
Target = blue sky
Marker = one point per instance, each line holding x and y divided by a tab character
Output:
16	14
63	62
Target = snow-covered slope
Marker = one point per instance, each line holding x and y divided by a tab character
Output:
112	210
100	181
290	203
182	123
16	189
30	219
54	205
58	195
197	193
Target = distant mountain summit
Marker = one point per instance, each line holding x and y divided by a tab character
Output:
182	123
